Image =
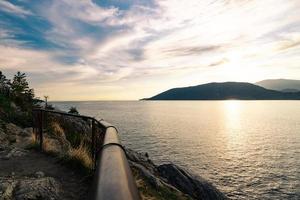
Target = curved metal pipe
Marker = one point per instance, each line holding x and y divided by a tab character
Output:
113	178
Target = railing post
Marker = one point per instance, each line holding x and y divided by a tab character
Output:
41	129
93	143
34	124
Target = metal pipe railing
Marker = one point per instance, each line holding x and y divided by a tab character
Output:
64	113
113	178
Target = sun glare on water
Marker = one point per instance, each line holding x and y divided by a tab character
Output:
232	109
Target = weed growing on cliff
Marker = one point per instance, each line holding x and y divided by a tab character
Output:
57	130
149	192
72	147
34	144
79	158
50	147
73	110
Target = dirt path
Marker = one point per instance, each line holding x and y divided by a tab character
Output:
29	174
72	185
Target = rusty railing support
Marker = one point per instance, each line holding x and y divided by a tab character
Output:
41	129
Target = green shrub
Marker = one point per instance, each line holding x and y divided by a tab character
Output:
4	103
16	100
73	110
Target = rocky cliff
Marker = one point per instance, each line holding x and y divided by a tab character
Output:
174	178
28	174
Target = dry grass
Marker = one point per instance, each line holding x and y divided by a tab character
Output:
57	130
81	156
47	146
50	146
78	155
33	139
55	143
33	143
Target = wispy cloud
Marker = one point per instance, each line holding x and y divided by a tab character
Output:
191	50
116	44
6	6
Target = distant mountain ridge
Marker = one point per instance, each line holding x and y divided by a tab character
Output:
223	91
284	85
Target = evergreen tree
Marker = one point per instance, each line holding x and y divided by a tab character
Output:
19	85
16	100
22	94
4	85
2	79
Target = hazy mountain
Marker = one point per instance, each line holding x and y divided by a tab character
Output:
284	85
290	90
221	91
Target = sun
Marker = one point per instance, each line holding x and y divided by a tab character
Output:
238	69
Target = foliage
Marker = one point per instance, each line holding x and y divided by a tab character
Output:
34	144
2	78
5	105
72	148
16	99
73	110
21	93
80	158
4	85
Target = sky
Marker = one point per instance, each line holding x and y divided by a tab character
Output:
131	49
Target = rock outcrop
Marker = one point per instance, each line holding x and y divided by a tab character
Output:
32	188
10	134
174	177
30	175
9	152
188	183
71	124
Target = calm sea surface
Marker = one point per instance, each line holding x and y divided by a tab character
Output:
248	149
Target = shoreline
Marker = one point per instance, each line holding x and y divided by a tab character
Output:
158	180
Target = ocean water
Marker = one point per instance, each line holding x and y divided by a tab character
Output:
247	149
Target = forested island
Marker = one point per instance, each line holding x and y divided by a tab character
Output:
224	91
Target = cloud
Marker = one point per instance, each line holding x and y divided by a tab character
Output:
288	41
8	7
112	43
42	63
4	33
198	50
219	62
